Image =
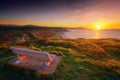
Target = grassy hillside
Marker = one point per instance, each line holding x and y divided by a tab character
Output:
28	33
83	59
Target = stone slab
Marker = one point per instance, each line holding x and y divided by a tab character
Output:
40	68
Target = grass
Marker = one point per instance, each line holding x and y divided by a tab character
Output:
83	59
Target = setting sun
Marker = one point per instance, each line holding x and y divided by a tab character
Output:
98	27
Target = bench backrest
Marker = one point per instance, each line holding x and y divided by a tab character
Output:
44	56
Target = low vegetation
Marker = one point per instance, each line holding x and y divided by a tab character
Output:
28	33
82	59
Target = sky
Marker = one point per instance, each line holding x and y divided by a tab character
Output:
61	13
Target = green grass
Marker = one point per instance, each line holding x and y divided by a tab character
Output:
83	59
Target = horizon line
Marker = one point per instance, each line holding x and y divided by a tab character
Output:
32	25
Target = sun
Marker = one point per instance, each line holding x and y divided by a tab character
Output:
98	27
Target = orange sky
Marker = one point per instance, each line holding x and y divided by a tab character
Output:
91	26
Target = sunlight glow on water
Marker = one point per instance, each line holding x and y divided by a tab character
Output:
97	34
89	34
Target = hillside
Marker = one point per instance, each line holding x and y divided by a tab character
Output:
28	32
83	59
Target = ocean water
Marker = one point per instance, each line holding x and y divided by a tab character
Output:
91	34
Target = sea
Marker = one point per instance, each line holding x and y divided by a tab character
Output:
91	34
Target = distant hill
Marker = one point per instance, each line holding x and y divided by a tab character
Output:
28	32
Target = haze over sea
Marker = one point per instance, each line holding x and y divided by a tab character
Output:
91	34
